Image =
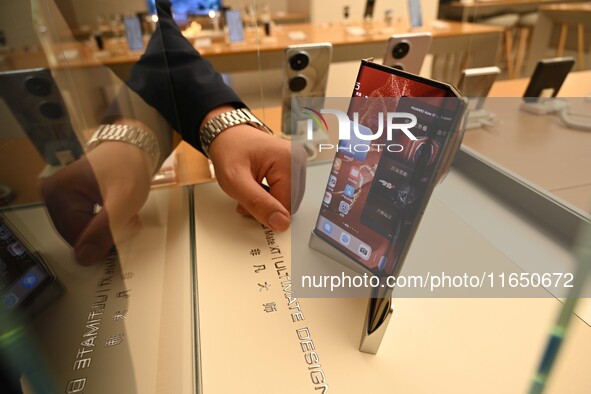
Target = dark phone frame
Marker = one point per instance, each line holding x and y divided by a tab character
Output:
549	73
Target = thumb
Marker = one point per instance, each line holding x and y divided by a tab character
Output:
258	202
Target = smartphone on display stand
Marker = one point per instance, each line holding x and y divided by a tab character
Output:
27	284
415	14
407	51
369	7
548	77
475	84
235	26
133	32
544	85
374	198
35	101
305	76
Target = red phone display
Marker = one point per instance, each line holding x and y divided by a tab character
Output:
375	196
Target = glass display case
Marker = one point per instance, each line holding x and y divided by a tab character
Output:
127	270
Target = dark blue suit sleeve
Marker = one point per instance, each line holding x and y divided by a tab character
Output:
177	81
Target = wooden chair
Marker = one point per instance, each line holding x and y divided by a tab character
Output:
565	17
525	26
508	23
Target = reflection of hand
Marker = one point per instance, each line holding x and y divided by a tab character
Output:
243	156
114	175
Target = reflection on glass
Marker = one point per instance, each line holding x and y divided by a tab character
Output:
567	313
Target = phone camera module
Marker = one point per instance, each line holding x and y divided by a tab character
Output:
298	83
423	154
299	61
51	110
405	197
40	87
400	50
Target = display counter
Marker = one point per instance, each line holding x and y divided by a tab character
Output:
198	308
349	43
523	142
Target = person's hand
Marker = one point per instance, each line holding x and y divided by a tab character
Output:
243	156
115	176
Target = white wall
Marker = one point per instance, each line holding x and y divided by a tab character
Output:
274	5
16	21
332	11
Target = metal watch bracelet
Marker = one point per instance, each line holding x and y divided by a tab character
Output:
130	134
215	126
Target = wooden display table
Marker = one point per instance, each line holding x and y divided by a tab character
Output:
539	148
267	52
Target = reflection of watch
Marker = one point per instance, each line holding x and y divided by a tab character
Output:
223	121
130	134
6	194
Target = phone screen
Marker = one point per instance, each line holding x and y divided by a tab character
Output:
22	274
373	200
235	28
414	12
133	31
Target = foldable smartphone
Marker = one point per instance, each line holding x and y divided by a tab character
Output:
376	195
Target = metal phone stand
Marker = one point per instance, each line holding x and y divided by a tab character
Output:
379	308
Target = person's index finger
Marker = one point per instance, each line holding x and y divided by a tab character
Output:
280	189
261	204
96	241
70	196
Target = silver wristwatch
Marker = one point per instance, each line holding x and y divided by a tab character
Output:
223	121
130	134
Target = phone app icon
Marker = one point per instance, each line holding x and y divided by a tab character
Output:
332	181
30	281
354	173
364	251
327	227
327	197
4	233
337	164
10	300
345	239
349	191
16	249
344	208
